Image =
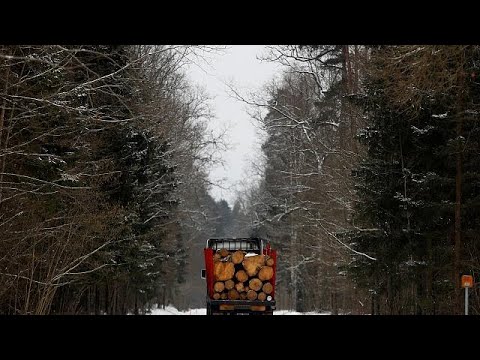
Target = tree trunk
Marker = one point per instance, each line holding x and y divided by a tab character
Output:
334	303
97	300
458	219
136	304
106	299
458	190
429	277
2	122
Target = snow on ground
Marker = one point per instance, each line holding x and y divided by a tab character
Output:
291	312
170	310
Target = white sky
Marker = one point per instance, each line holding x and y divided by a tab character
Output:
238	65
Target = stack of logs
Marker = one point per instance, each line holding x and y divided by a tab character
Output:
242	276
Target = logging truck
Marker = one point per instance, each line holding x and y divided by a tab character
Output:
240	276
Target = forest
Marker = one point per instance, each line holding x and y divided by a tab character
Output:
369	178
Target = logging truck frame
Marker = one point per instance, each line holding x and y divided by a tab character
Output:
250	246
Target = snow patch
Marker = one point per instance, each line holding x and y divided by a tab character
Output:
422	131
170	310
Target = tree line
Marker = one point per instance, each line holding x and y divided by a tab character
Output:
369	176
103	169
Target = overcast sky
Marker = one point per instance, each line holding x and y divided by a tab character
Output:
238	65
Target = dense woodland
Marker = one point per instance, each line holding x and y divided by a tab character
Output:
371	182
369	190
103	157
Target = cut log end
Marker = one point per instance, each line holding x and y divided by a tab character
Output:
262	296
237	257
219	286
229	284
267	288
255	284
265	273
240	287
233	294
253	263
241	276
251	295
223	252
223	271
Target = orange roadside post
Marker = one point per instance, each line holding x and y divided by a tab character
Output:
467	282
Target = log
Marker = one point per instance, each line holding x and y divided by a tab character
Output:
216	257
262	296
265	273
223	296
223	252
216	296
243	295
240	287
233	294
223	271
267	288
251	295
258	307
229	284
252	264
255	284
237	257
246	288
241	276
270	262
219	286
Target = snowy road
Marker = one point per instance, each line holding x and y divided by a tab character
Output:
169	310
